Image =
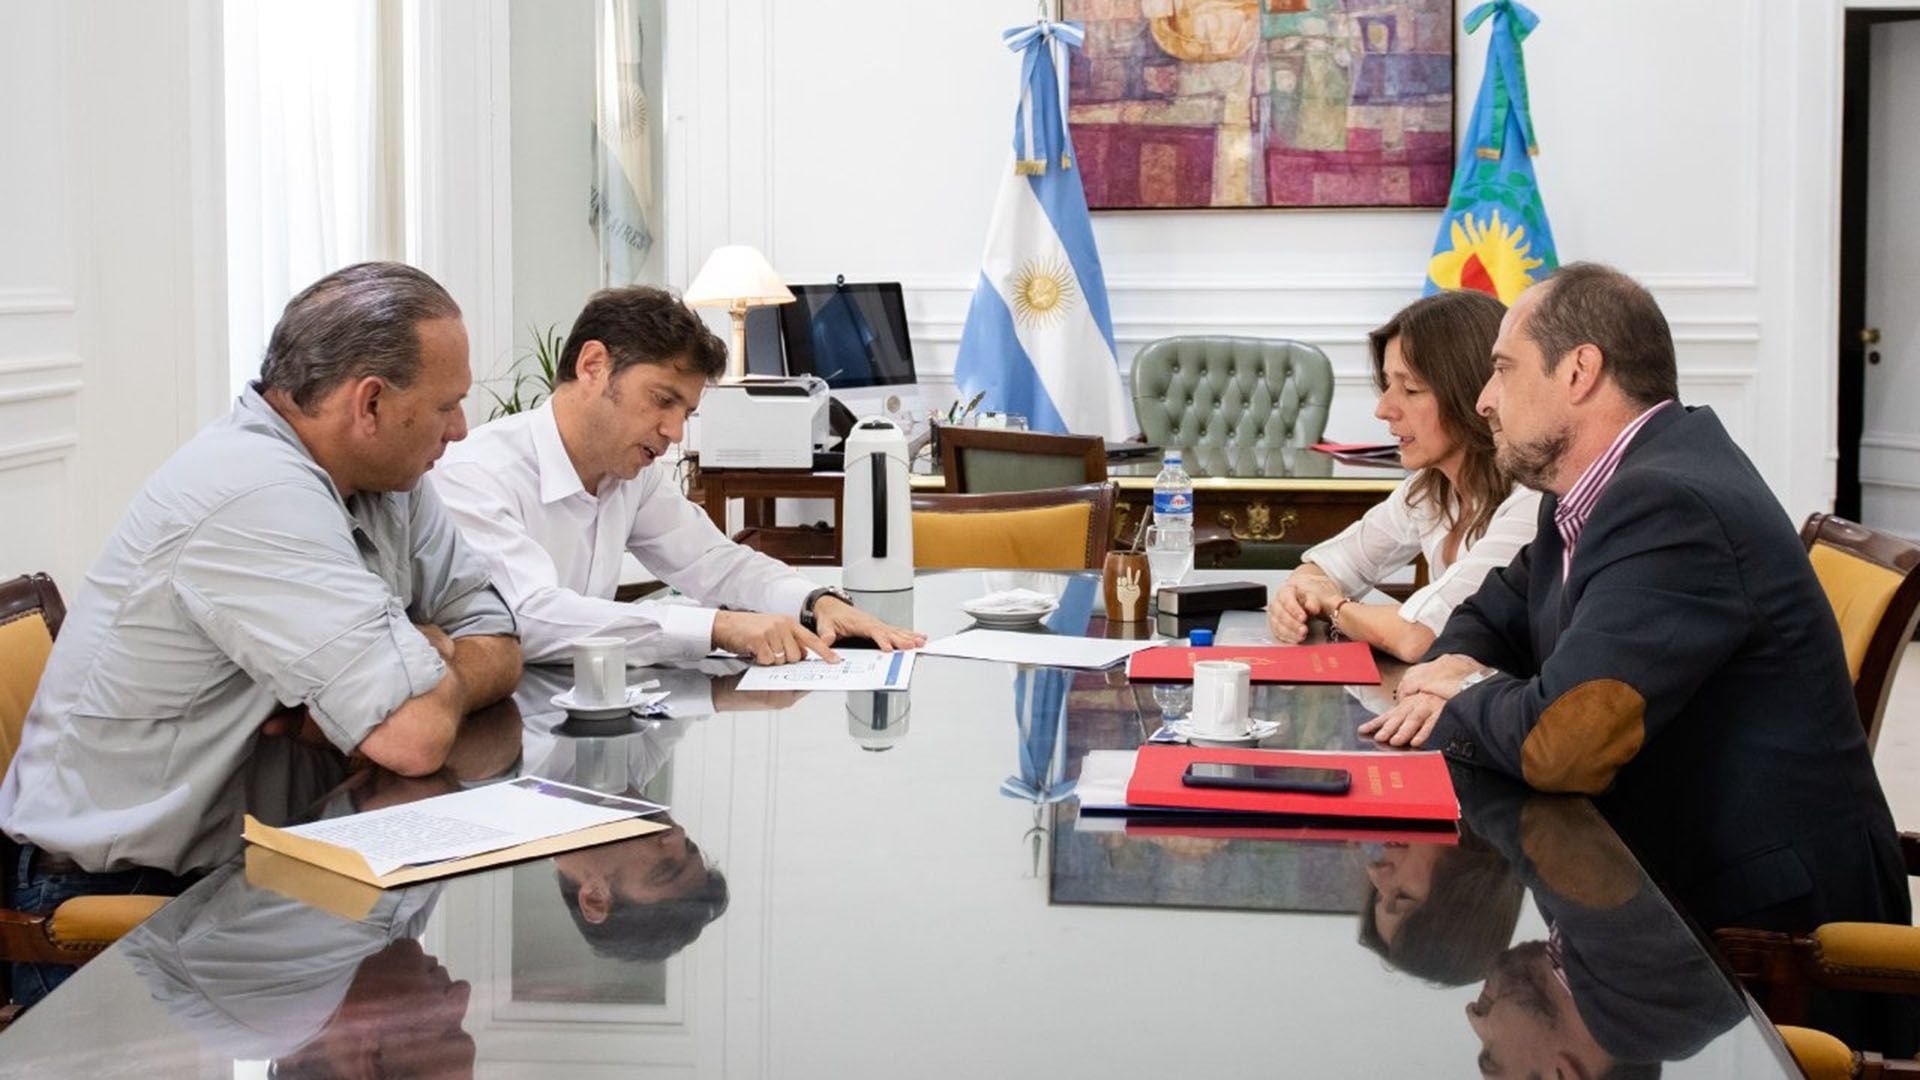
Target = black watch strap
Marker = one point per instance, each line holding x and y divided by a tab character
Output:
806	609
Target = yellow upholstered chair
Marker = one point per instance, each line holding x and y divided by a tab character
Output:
1051	529
30	615
1823	1057
1869	579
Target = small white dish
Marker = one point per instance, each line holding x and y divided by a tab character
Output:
988	613
637	698
1256	730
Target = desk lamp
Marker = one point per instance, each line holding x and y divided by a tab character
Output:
737	277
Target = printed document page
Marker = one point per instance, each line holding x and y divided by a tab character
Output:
1047	650
472	822
858	669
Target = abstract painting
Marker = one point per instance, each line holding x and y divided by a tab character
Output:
1248	103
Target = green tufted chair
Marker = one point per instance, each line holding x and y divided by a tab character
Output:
1207	391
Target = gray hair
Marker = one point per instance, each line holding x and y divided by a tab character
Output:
351	324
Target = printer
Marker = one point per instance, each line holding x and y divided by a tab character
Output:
762	423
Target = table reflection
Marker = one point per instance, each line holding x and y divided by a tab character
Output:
818	910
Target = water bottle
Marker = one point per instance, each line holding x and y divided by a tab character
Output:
1170	542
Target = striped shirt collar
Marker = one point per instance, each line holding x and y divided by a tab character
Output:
1570	514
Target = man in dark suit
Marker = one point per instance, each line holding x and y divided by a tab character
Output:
1662	645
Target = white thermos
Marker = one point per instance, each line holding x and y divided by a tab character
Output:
876	510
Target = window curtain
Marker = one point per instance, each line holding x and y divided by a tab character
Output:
311	153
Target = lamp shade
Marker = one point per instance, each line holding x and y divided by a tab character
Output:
737	275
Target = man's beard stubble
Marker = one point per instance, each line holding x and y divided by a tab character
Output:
1533	464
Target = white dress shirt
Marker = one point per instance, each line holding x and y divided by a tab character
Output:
554	548
1388	537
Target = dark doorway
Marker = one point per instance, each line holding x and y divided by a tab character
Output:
1853	350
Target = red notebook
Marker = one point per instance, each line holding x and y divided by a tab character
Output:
1317	833
1344	663
1386	784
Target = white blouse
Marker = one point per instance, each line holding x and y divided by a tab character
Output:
1389	536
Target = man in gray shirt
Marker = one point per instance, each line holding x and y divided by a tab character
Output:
285	563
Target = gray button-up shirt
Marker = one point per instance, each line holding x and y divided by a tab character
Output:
237	582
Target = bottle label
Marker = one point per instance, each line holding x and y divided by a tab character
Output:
1172	502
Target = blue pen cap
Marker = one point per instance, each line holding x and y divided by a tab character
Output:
1199	637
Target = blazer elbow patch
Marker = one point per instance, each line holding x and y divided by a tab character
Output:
1584	736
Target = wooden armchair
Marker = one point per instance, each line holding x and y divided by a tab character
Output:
1869	579
1781	971
979	461
1052	529
75	932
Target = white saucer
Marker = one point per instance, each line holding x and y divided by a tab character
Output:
637	697
1258	730
1004	619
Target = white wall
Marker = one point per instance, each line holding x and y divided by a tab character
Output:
1690	145
112	336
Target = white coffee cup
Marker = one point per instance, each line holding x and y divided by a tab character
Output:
1222	694
600	672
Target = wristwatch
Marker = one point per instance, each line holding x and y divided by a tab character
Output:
1475	678
806	609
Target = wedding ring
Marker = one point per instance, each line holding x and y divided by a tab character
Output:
779	655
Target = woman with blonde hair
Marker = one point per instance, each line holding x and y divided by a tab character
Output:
1429	362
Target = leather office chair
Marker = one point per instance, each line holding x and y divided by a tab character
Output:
76	931
1051	529
985	460
1196	392
1823	1057
1869	578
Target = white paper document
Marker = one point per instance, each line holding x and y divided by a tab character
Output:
472	822
1049	650
858	669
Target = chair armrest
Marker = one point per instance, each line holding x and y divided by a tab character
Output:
1886	955
1819	1055
98	921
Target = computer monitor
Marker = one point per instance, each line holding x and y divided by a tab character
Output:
852	334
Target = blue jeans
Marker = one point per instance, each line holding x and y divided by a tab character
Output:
39	893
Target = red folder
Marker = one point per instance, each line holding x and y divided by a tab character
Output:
1344	663
1386	784
1316	833
1356	449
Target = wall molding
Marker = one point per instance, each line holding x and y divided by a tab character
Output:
39	451
36	302
31	364
43	392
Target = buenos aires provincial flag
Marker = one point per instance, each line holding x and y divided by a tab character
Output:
1494	237
1039	335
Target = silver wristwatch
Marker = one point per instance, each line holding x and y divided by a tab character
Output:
1475	678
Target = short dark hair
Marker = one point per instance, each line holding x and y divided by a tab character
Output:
353	323
653	931
1586	303
639	324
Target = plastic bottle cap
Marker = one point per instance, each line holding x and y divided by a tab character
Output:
1199	638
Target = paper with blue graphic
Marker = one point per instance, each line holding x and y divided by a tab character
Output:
1039	335
1495	237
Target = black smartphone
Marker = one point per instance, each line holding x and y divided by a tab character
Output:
1219	774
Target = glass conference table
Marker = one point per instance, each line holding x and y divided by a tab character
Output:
875	885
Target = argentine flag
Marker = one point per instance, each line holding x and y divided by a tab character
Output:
1039	336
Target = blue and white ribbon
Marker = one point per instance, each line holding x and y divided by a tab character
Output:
1027	40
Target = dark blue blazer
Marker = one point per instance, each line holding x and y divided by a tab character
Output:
1688	674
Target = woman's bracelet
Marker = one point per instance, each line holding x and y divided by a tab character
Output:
1333	618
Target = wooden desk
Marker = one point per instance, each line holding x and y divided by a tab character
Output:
1291	497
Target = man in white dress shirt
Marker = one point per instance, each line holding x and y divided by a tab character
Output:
551	498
